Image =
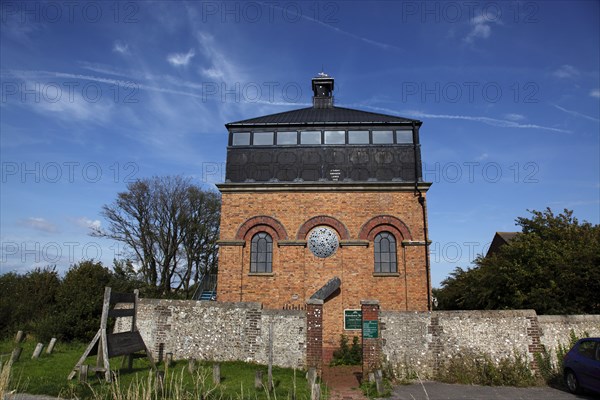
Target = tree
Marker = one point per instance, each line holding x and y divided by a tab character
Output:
553	266
79	300
171	228
27	300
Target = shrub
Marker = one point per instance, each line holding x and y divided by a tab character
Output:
79	300
347	355
27	299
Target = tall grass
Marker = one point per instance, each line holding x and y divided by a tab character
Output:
550	363
150	387
4	379
480	369
48	376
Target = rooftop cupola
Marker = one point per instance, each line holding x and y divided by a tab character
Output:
322	86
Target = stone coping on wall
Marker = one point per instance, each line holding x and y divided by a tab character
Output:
470	313
569	319
198	303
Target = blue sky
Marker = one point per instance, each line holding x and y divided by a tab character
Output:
96	94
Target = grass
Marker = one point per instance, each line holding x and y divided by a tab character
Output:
479	369
48	375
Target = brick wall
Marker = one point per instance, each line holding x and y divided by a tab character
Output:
297	273
371	346
314	333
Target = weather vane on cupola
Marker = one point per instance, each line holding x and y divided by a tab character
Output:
322	86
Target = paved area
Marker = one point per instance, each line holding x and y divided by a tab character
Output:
343	382
444	391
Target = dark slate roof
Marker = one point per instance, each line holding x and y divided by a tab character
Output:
323	116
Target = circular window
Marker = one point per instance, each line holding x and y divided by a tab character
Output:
323	241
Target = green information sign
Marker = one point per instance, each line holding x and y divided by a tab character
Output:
353	320
370	329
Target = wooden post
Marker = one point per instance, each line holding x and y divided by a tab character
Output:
160	380
258	384
16	353
83	372
216	373
50	348
379	382
311	376
169	360
315	392
103	346
37	351
270	372
129	358
192	365
122	343
19	337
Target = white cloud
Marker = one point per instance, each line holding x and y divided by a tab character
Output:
514	117
575	113
181	59
487	120
483	157
595	93
566	71
211	73
336	29
80	109
220	66
88	223
121	47
39	224
68	102
481	28
502	123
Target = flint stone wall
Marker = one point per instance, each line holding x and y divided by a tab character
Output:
411	341
220	331
556	329
422	341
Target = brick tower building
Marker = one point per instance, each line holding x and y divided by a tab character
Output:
324	202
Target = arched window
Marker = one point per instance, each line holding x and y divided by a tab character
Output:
385	253
261	253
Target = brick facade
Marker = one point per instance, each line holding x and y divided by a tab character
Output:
355	172
296	274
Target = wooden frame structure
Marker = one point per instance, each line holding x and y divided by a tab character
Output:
107	345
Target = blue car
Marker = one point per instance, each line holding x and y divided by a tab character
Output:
582	366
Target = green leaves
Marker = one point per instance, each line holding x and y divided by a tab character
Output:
553	266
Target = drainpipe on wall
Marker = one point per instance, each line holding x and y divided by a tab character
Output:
418	193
